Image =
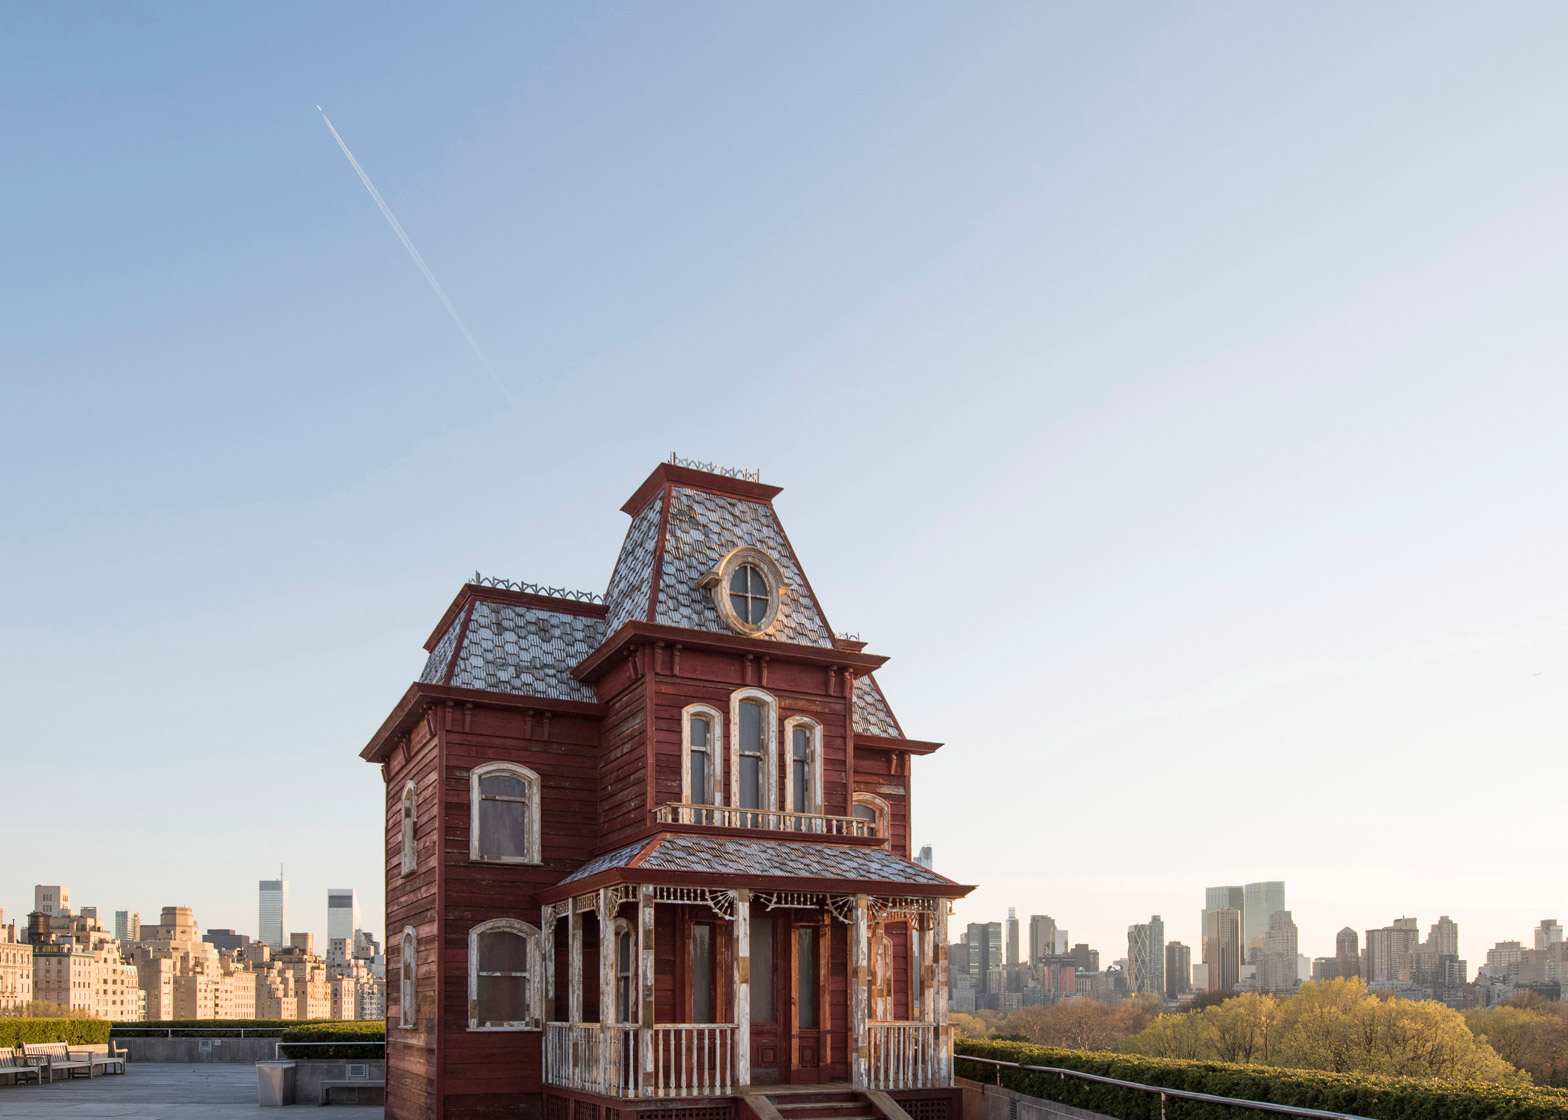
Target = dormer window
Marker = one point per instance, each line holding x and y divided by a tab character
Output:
749	595
747	586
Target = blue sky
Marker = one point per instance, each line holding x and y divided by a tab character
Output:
1175	392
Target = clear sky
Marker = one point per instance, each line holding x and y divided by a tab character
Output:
1175	392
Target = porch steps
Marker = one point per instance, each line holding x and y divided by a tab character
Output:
824	1104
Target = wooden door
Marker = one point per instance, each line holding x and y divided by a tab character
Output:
807	948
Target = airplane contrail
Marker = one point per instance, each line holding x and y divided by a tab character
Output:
397	228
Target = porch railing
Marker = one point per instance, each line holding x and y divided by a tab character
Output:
728	816
689	1059
912	1055
693	1059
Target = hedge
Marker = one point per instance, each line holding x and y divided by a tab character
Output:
1383	1098
212	1028
346	1031
78	1032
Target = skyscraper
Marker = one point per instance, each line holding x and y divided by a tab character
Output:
1347	953
1224	898
1222	948
1389	950
1548	933
342	916
1012	935
274	925
127	926
1178	969
1261	900
1146	956
985	951
924	858
1042	937
1278	969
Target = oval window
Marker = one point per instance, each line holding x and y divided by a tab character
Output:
749	595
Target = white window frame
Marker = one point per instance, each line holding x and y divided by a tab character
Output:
408	978
531	842
623	928
717	581
408	823
770	748
884	815
813	763
715	790
530	936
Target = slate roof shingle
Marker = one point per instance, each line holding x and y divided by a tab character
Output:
871	714
709	855
703	529
526	651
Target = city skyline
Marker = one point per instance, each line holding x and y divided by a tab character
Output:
1201	365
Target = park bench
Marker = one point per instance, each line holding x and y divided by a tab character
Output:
113	1061
14	1064
57	1058
361	1083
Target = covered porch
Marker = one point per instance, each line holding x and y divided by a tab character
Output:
664	988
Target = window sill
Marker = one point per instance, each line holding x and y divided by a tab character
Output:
515	861
517	1029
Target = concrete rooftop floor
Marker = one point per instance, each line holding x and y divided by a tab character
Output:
157	1091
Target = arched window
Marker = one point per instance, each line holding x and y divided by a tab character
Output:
410	823
700	765
407	970
501	970
803	772
753	748
626	1010
503	813
868	807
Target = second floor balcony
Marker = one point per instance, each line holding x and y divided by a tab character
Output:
869	826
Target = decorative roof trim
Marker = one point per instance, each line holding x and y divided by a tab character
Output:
667	474
713	468
471	592
537	589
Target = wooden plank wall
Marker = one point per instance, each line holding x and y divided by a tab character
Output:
489	1072
411	901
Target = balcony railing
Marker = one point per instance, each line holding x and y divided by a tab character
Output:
689	1059
911	1055
728	816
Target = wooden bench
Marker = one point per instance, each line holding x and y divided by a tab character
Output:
113	1061
14	1064
57	1058
362	1083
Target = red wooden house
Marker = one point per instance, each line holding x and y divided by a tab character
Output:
649	852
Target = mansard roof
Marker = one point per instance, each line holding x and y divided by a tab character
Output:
525	641
686	525
746	858
871	714
499	640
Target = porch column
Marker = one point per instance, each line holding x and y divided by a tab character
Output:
742	956
859	977
927	925
547	959
574	962
609	1053
645	984
606	957
944	1049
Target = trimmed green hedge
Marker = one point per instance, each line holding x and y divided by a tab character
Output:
1384	1098
345	1031
211	1028
77	1032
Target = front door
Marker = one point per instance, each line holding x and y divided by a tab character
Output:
807	947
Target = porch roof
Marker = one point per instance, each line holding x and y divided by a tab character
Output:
730	859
